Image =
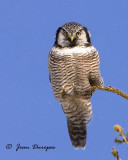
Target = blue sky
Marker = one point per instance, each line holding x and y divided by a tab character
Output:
29	113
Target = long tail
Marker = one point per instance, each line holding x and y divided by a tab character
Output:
78	115
77	133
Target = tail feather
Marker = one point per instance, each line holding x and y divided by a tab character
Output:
77	133
78	113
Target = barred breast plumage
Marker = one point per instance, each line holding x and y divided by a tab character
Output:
72	73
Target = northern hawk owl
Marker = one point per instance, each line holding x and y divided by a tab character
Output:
73	68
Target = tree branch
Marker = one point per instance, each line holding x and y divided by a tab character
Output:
111	89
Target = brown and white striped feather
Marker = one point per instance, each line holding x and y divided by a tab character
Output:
74	70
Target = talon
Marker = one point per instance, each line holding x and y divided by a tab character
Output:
63	90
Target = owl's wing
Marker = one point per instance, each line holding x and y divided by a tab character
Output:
94	74
49	66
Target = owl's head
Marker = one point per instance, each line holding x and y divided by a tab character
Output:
72	34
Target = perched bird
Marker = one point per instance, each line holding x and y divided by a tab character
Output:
73	65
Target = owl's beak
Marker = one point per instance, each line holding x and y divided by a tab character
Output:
71	38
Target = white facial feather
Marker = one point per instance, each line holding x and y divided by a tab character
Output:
61	40
75	50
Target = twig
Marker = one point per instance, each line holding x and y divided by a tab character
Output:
124	138
111	89
118	128
119	141
115	153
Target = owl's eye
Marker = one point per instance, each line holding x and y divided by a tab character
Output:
78	34
65	34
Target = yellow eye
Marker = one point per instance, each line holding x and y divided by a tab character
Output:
65	34
78	34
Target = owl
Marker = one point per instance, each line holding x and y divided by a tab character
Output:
73	65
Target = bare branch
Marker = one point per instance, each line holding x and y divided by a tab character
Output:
111	89
115	153
118	128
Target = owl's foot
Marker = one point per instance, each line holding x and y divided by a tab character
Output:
63	90
92	90
66	91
